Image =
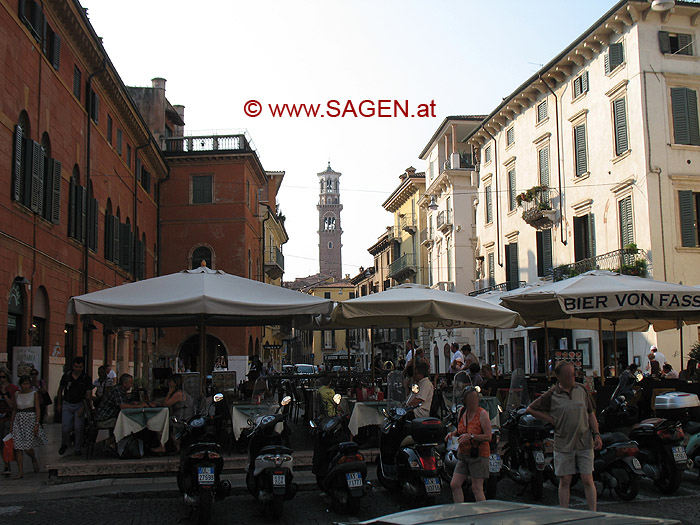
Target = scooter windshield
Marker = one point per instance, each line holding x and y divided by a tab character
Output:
518	393
460	381
396	389
263	399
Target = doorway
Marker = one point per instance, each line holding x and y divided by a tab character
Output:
189	353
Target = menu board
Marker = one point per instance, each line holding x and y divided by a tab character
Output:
575	356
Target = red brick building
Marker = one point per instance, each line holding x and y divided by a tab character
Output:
77	207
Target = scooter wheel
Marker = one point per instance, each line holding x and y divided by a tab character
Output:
353	505
491	487
277	507
206	497
537	485
628	489
670	478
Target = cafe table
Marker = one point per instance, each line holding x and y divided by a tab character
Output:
366	413
132	420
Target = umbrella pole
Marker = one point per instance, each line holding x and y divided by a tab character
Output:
202	353
371	344
546	350
680	332
413	349
497	356
615	346
349	368
600	351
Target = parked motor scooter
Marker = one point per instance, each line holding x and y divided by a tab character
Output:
408	461
692	448
270	464
339	466
199	473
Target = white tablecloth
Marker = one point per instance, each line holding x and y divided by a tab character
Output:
240	414
157	419
366	414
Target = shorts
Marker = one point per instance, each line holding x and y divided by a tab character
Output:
476	467
576	461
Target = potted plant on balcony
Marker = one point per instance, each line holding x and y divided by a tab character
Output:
637	268
630	249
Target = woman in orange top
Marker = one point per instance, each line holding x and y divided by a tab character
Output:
474	435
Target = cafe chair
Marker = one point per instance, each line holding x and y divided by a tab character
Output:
299	402
93	427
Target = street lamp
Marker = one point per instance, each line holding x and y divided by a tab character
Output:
433	203
662	5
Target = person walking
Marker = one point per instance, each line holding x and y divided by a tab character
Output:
27	432
75	386
568	406
474	437
7	403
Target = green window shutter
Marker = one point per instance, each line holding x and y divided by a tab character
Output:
37	189
28	152
617	55
487	154
510	135
17	159
489	205
76	82
56	180
577	87
580	147
124	251
692	104
115	239
492	269
512	258
620	117
82	217
94	223
544	166
56	51
685	46
71	208
542	111
591	235
687	215
664	42
512	202
584	82
679	108
607	63
547	251
108	237
626	223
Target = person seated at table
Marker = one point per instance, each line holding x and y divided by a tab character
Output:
490	385
474	374
175	398
102	385
668	372
653	366
691	371
117	399
424	397
326	392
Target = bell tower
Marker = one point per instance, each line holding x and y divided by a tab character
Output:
329	230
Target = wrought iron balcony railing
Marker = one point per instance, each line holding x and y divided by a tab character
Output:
403	267
628	261
200	143
500	287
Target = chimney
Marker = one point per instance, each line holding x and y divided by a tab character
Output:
180	109
158	83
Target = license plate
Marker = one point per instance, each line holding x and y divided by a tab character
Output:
278	480
636	464
354	479
539	457
495	463
205	475
679	455
432	485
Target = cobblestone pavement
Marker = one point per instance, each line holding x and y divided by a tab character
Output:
311	507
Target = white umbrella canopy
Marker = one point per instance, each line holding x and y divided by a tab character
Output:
193	297
406	304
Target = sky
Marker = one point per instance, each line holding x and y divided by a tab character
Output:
465	56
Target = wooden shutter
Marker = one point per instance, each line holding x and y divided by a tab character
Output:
76	82
664	42
692	104
81	227
108	237
489	205
591	235
56	191
17	159
115	239
71	207
685	46
28	152
547	251
21	10
512	202
577	87
142	260
125	237
580	147
95	107
689	226
584	82
617	55
679	108
37	188
56	51
626	222
93	224
544	166
620	118
492	269
512	258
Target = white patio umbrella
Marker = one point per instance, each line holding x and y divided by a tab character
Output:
201	297
622	300
406	304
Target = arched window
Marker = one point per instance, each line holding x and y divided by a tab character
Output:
201	253
21	169
109	231
330	245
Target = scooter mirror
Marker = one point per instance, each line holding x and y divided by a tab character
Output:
174	419
218	397
454	409
638	376
415	389
478	389
385	412
312	424
337	398
250	422
286	400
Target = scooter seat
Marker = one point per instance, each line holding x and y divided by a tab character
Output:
274	449
613	437
348	447
693	427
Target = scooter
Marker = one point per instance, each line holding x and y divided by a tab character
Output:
692	449
339	466
269	472
199	473
410	465
523	452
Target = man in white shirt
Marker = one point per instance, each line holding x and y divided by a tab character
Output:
424	397
457	354
111	374
660	358
409	351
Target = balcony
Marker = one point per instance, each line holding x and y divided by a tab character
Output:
628	261
445	286
458	161
403	267
444	221
274	262
206	143
407	223
537	207
501	287
426	238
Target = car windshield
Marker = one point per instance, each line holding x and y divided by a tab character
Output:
305	369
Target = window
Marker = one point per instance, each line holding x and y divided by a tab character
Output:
581	84
684	107
512	266
581	158
128	156
352	295
487	154
21	160
689	206
109	129
119	141
51	184
543	165
146	180
510	136
330	245
492	269
126	246
51	46
431	171
201	189
542	111
326	295
92	103
31	14
111	234
544	252
76	81
620	125
675	43
512	202
247	193
584	237
626	222
614	57
77	207
489	205
202	253
92	219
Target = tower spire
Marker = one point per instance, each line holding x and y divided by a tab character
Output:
329	230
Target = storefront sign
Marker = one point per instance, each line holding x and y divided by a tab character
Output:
24	358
